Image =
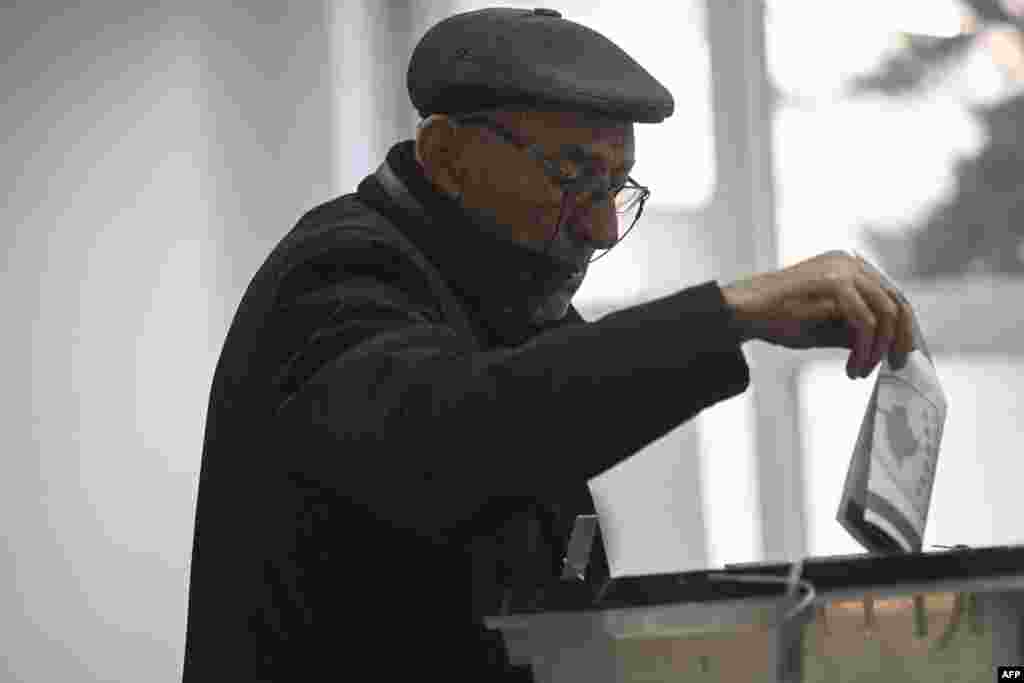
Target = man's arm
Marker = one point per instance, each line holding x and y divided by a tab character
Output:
399	413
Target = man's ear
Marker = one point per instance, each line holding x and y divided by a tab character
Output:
438	149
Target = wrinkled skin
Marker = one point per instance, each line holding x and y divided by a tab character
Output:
504	189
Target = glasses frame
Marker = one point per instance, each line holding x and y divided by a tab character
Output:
598	185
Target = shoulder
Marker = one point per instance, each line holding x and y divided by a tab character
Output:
345	221
346	242
344	239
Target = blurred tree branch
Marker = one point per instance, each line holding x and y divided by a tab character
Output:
981	228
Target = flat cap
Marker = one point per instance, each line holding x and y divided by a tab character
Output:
529	59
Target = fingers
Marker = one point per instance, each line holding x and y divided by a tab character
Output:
879	322
887	317
862	321
905	342
883	324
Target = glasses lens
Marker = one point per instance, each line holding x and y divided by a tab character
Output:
627	200
627	221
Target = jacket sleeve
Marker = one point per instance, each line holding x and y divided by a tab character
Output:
393	410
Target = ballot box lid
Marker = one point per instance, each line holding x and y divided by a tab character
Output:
833	575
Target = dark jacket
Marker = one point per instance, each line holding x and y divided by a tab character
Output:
390	441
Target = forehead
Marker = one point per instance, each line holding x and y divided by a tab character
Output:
601	138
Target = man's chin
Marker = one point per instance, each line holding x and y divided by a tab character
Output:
555	306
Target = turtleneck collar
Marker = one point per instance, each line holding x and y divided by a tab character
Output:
500	280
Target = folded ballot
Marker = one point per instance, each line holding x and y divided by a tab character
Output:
889	483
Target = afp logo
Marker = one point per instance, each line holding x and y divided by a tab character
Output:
1010	673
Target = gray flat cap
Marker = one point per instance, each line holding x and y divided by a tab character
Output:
530	59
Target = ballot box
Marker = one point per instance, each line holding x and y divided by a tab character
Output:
951	615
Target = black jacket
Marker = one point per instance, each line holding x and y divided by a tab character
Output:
390	440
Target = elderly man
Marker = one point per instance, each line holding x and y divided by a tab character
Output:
407	407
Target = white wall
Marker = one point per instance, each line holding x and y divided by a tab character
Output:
151	158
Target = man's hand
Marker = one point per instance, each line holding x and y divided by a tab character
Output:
831	300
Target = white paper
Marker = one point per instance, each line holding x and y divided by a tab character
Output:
650	513
910	412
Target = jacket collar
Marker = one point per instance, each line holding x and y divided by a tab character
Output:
500	280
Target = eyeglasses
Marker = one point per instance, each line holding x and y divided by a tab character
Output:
627	195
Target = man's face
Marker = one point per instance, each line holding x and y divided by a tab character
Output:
505	182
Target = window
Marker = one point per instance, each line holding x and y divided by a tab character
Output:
896	134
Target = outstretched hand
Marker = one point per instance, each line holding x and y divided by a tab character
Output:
833	300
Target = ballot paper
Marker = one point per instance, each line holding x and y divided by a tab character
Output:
888	486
